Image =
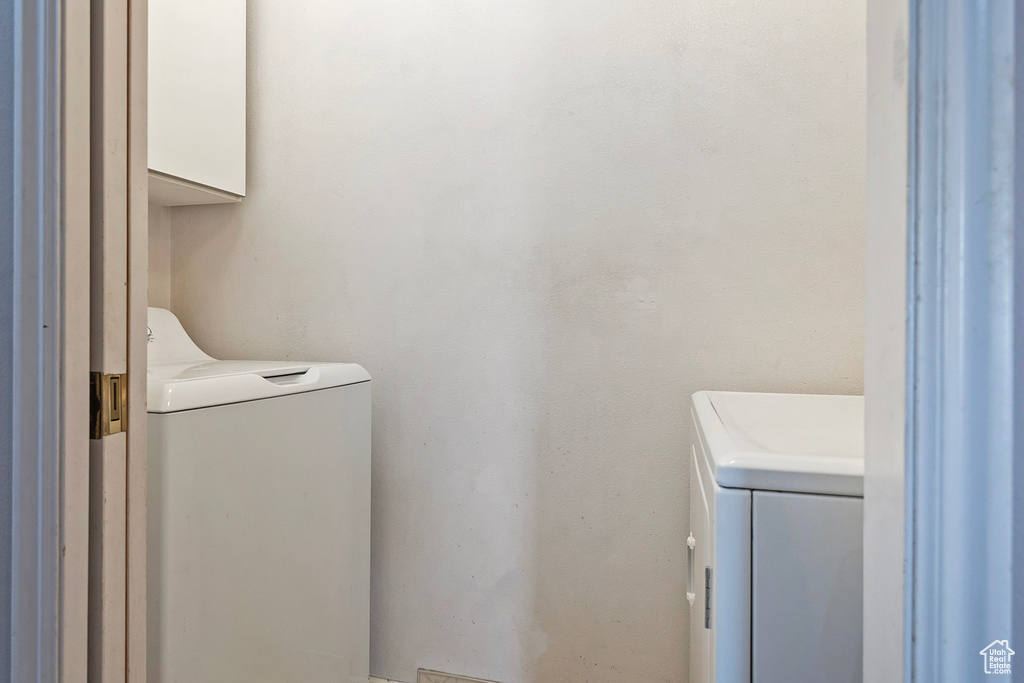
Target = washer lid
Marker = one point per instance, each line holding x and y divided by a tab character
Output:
173	387
181	377
784	442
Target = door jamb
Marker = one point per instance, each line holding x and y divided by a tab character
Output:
962	382
49	483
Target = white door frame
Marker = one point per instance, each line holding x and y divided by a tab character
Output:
49	317
940	481
74	519
961	391
36	330
885	339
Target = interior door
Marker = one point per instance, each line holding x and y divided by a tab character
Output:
118	233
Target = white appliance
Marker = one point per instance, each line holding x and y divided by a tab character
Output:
774	556
259	517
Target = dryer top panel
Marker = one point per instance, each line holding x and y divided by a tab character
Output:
803	443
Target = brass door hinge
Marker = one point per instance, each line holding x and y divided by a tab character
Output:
108	404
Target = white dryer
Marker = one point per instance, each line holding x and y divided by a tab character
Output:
774	555
259	517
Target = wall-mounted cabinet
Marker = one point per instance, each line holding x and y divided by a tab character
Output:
196	101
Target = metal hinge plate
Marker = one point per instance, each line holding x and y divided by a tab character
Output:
108	404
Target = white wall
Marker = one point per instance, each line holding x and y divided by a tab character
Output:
885	344
541	226
160	219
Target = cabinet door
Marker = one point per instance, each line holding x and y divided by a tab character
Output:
197	91
807	574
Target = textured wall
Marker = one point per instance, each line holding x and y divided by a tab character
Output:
541	226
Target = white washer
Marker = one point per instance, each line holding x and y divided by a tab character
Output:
259	517
774	562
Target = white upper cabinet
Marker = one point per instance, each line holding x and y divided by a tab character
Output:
196	101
